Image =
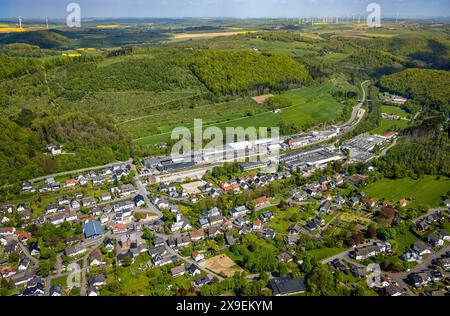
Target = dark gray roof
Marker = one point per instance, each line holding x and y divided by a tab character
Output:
285	286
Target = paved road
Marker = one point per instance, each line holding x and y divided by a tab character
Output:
430	211
385	150
358	106
324	228
26	252
344	254
187	260
79	170
142	190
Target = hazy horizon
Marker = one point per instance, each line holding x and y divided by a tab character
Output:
116	9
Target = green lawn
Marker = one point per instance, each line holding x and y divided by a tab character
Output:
311	106
324	253
394	110
403	242
390	125
426	191
283	219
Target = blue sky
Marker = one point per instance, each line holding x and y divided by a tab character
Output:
220	8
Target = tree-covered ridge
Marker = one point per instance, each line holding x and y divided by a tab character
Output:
43	39
283	36
88	140
239	73
143	73
13	67
20	153
425	86
26	50
424	51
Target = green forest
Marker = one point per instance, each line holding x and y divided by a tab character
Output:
425	86
239	73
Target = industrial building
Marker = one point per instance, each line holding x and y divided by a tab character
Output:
311	159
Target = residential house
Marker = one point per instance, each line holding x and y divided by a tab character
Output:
7	231
119	229
95	258
366	252
325	208
213	232
11	247
7	272
34	249
193	270
73	251
88	202
435	240
127	190
75	204
202	281
56	290
51	209
197	235
139	200
23	264
97	281
444	235
421	248
105	197
123	257
294	229
183	241
197	256
266	216
239	211
109	245
65	200
261	202
257	225
284	257
411	257
268	233
157	251
178	271
287	286
393	290
292	240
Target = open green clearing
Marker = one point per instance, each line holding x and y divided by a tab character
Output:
323	253
312	105
426	191
394	110
403	241
389	126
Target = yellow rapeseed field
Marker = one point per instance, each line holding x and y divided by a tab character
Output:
11	29
108	26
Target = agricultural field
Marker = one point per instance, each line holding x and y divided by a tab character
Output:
311	106
427	191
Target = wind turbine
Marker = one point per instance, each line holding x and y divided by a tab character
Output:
20	22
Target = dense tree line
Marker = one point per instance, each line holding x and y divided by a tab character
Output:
238	73
282	36
418	156
428	87
14	67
